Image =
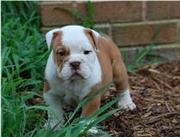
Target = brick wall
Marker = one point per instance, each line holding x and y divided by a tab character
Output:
129	23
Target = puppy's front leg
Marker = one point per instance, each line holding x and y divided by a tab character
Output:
55	115
91	106
122	85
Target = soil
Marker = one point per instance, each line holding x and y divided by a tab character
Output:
156	93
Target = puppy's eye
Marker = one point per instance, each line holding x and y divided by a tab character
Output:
61	52
86	52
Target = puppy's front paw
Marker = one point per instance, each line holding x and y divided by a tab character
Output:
93	130
125	101
129	105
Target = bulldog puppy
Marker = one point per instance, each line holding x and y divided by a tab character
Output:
81	61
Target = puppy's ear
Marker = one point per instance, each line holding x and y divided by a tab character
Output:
50	36
93	37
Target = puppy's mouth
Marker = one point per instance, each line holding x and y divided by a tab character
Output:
76	74
68	74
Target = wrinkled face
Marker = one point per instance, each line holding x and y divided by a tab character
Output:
73	54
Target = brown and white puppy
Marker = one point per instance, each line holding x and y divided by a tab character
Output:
81	61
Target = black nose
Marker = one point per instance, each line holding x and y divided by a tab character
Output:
75	65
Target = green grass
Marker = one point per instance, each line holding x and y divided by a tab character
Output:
140	58
24	55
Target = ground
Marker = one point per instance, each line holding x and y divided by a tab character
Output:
156	92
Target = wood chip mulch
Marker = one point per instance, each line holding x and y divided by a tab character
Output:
156	93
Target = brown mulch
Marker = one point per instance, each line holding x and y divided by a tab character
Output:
156	93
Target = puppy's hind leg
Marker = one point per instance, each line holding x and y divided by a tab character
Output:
120	78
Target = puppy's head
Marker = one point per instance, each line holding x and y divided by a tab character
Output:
74	52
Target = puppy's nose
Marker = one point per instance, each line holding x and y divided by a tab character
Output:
75	65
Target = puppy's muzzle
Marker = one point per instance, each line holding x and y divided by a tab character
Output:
75	65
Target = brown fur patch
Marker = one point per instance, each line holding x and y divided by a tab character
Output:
91	106
94	104
91	37
112	67
111	61
60	52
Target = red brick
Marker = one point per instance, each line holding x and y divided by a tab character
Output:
174	9
142	34
156	10
116	11
54	14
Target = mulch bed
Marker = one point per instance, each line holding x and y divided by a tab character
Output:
156	93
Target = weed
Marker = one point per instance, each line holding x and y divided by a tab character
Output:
85	20
141	57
